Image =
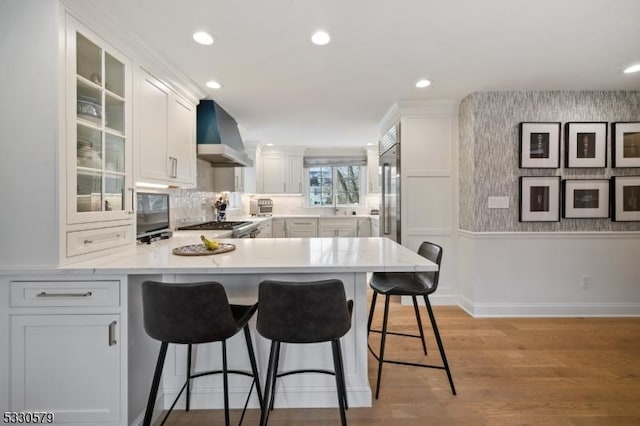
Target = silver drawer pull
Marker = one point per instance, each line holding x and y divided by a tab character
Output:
112	333
45	294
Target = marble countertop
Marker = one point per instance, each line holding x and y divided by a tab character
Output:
255	255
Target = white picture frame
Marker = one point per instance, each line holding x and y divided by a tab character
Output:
539	199
585	144
585	198
625	144
539	145
625	198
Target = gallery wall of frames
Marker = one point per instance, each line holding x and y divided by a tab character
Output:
582	146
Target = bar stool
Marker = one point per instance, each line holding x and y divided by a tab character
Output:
192	313
303	312
408	284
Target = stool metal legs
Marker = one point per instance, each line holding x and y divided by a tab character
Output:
384	332
225	371
272	376
155	384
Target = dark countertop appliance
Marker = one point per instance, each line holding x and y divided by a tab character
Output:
152	217
240	229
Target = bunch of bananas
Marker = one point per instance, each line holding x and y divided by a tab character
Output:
209	244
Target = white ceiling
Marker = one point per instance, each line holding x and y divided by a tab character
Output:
284	90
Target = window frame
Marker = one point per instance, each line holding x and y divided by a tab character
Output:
362	173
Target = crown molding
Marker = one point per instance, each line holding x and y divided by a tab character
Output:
417	108
94	15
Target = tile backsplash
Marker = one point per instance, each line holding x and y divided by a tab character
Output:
196	204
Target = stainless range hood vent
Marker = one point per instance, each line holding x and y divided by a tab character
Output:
219	141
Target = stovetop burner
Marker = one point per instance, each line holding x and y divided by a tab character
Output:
214	226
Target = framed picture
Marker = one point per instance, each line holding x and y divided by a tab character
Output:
625	147
585	144
539	145
585	198
539	199
625	195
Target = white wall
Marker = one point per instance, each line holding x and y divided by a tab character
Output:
29	132
555	274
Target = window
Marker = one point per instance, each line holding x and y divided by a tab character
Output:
334	185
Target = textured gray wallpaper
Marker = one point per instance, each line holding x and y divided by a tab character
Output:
489	153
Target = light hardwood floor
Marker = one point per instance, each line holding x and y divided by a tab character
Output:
507	371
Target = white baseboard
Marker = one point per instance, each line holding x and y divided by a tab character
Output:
554	310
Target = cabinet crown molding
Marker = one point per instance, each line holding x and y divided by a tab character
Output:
417	108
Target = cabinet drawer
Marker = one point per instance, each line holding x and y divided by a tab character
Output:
308	223
65	293
83	242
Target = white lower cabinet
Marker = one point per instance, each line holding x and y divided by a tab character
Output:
277	228
330	227
67	353
301	228
363	227
68	365
265	229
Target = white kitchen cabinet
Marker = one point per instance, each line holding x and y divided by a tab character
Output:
277	228
165	134
363	227
67	350
98	150
66	364
301	227
234	179
265	229
373	172
342	227
296	174
281	171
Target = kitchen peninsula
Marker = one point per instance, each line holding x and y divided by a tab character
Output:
107	377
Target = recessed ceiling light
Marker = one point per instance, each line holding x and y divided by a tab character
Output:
213	84
320	38
269	144
632	69
203	38
423	83
370	144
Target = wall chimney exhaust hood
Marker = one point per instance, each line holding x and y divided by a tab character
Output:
218	138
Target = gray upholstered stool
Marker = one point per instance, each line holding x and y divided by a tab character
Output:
409	284
303	312
192	313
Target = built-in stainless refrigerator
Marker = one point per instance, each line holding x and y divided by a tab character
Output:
389	147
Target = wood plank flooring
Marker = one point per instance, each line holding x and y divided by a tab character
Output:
507	371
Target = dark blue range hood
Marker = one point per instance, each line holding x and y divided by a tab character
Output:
218	138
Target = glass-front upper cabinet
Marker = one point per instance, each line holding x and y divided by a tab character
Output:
99	178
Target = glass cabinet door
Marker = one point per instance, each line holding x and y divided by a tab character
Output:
102	178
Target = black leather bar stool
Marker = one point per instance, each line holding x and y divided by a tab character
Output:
408	284
192	313
303	312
